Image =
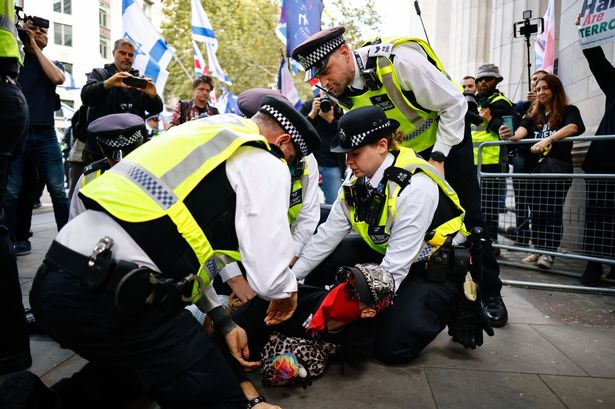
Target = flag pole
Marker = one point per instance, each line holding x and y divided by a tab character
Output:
176	58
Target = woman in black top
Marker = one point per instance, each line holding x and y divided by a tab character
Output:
549	119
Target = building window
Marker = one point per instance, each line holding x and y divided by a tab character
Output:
62	6
103	16
63	34
104	48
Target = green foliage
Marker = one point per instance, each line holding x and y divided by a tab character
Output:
249	50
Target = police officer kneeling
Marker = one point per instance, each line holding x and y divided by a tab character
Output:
159	226
404	210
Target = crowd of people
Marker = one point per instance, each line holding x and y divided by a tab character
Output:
158	226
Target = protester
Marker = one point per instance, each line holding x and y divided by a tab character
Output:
106	92
414	89
38	79
198	106
406	219
550	119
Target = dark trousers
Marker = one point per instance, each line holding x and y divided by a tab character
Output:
490	199
460	173
421	308
167	354
522	191
547	207
600	218
13	123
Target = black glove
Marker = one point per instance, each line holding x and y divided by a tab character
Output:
468	324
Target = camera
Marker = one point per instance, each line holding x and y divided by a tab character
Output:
23	18
325	104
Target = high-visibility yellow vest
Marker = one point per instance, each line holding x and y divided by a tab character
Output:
408	160
147	190
297	189
9	45
480	134
418	125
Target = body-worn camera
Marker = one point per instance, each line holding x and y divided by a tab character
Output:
325	104
23	18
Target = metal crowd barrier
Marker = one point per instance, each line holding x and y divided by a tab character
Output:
524	209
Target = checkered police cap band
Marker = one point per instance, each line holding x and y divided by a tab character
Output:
320	52
288	126
120	141
356	140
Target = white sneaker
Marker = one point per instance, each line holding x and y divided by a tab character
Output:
545	262
531	258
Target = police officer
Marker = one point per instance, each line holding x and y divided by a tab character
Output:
116	135
404	210
304	206
492	106
14	344
159	226
405	77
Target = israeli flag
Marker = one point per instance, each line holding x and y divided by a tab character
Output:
152	54
202	31
227	104
286	85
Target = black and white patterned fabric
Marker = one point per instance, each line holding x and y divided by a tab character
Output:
357	139
154	188
288	127
120	141
320	52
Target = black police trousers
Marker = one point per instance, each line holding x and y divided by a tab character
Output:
460	173
421	308
168	356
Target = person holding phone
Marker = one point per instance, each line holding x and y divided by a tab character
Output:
493	106
118	88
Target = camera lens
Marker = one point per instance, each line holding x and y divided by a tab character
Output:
325	105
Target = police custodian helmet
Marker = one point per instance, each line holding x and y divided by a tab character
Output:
118	134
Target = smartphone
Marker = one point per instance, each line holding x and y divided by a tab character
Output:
507	121
135	82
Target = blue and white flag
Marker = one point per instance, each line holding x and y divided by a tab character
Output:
199	62
227	104
202	31
152	54
302	19
69	82
286	85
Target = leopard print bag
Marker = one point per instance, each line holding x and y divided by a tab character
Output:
290	360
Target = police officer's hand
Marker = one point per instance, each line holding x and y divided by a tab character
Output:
241	288
237	342
281	310
469	323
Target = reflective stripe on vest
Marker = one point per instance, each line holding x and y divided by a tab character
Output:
10	45
89	177
153	181
409	161
418	127
299	184
480	134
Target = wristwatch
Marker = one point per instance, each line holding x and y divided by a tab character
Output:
438	156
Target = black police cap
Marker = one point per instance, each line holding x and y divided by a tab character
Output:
314	52
117	132
304	136
362	126
250	101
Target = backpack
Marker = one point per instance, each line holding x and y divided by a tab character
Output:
288	360
80	128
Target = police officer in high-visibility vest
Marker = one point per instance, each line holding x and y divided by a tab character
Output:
410	221
117	135
304	206
492	106
159	226
405	77
14	343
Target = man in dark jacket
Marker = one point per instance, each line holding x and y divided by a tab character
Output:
107	93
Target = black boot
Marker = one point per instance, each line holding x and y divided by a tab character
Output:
24	390
496	310
592	274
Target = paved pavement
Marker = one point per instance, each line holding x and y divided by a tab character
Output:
556	352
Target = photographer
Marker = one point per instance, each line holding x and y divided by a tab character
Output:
324	113
38	79
106	91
